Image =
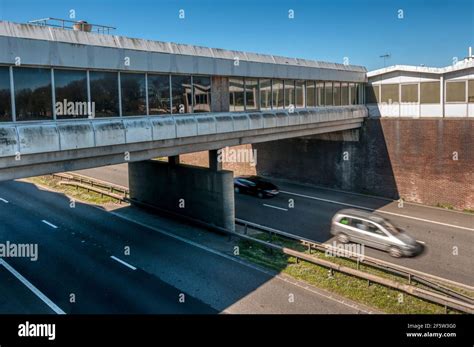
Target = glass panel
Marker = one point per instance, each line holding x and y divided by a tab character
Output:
265	94
71	94
320	93
456	91
133	94
300	96
372	94
251	94
337	93
104	93
328	96
33	96
429	93
353	93
470	95
158	94
181	94
409	93
202	94
5	95
236	90
310	94
289	93
277	94
344	93
390	93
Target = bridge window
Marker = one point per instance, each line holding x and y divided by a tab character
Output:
202	94
320	93
353	94
328	94
470	95
159	94
409	92
390	93
310	94
337	93
181	94
289	93
277	94
5	96
33	96
251	94
104	93
236	90
344	93
456	91
429	93
71	94
133	94
265	94
372	93
300	94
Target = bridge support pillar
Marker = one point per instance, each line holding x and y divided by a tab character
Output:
214	163
202	194
173	160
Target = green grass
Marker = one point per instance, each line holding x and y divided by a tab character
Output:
72	192
376	296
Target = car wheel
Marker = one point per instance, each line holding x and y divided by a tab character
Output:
343	238
260	195
395	252
237	190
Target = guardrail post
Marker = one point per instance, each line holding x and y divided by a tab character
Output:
309	248
358	264
409	278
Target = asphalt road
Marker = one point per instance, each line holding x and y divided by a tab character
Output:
448	236
76	246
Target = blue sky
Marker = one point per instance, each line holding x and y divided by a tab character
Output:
432	32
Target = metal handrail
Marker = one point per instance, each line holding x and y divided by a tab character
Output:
63	24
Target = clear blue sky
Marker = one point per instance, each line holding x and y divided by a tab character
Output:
432	32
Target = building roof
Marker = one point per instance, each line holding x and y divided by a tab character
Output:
463	64
35	32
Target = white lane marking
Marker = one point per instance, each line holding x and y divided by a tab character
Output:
123	262
276	207
379	211
3	200
31	287
241	262
50	224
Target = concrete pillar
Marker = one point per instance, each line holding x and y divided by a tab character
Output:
214	163
220	94
197	193
173	160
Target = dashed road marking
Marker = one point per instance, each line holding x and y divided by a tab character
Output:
123	262
3	200
50	224
275	207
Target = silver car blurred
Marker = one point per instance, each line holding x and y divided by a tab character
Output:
372	230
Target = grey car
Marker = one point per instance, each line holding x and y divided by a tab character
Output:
372	230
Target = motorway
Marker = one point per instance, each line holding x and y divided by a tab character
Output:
81	256
447	236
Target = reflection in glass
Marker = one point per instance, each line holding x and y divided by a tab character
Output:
265	94
202	94
277	92
236	90
300	94
133	94
158	94
5	96
344	93
289	93
320	93
104	93
71	94
310	94
336	90
33	97
181	97
328	96
251	94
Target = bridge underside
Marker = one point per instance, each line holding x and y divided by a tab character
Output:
37	149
